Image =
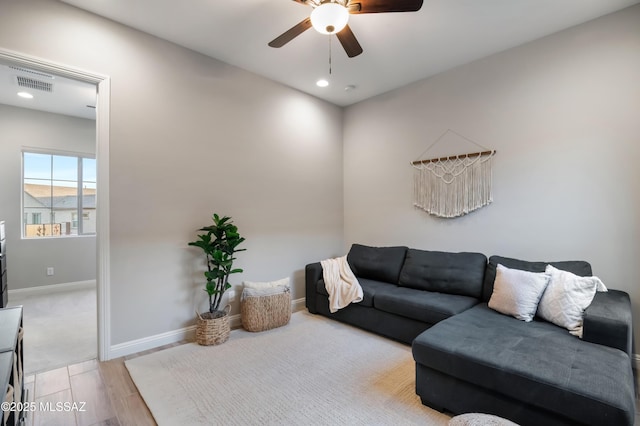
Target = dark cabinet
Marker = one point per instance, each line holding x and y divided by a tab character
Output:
11	365
4	298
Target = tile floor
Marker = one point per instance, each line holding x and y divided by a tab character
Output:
91	393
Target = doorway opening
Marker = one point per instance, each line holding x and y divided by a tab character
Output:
100	218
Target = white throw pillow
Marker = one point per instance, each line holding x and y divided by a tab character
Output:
284	282
261	292
517	292
566	298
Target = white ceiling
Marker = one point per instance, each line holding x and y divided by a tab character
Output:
399	48
68	97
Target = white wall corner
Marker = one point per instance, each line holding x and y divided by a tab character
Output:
175	336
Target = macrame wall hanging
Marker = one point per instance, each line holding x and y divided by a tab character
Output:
455	185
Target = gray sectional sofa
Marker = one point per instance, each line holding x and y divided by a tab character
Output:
470	358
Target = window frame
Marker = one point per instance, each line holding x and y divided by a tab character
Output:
79	209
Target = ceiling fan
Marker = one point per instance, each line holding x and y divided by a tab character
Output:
332	17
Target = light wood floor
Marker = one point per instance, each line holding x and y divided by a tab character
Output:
92	393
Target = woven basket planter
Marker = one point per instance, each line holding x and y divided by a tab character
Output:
212	331
262	313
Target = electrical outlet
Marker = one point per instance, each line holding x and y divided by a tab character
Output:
50	270
232	295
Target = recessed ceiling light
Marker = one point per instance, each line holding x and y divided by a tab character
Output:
322	83
25	95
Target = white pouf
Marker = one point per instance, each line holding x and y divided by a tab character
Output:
479	419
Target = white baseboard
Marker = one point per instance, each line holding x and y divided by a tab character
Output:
187	333
298	305
139	345
53	288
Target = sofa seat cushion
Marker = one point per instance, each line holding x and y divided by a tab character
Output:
537	362
425	306
369	289
451	273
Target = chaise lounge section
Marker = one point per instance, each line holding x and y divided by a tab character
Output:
470	358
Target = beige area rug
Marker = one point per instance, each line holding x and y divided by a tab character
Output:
314	371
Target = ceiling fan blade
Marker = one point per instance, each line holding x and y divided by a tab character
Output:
384	6
290	34
349	42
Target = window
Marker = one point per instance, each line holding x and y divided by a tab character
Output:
58	190
36	218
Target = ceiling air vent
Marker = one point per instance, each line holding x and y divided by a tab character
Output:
33	72
31	83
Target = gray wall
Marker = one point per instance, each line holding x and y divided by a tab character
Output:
73	258
190	136
562	112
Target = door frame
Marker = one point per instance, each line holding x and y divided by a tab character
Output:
103	85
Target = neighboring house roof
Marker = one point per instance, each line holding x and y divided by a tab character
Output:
64	197
31	202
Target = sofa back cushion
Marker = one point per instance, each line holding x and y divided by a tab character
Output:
376	263
442	272
577	267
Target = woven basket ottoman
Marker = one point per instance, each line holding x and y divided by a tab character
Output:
264	310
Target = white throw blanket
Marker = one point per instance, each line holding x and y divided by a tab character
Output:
343	287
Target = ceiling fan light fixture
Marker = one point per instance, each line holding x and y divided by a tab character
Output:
329	18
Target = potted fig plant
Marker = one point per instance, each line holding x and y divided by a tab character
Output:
219	242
